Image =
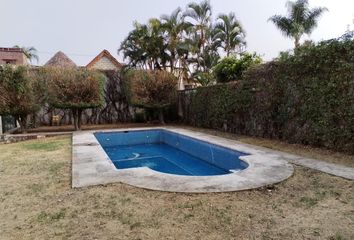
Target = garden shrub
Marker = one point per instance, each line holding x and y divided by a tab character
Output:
232	68
305	97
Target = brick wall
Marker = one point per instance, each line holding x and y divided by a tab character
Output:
13	56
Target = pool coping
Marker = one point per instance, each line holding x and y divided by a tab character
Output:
92	166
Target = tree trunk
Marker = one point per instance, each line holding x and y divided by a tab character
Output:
75	116
34	120
297	42
228	50
79	116
180	105
22	119
161	118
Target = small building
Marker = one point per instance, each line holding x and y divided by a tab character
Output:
104	61
60	60
14	56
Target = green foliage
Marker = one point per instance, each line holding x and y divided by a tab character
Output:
304	97
232	68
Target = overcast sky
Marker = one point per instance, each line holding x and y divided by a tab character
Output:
83	28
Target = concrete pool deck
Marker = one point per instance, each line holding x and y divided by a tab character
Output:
92	166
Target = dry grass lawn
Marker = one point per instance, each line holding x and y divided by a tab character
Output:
37	202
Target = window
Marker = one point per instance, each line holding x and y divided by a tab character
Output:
9	61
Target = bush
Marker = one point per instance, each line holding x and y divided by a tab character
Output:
232	68
204	78
154	90
305	97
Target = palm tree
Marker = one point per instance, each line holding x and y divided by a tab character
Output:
230	32
174	26
133	47
301	20
30	53
201	14
145	46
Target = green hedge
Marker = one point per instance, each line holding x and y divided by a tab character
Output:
306	97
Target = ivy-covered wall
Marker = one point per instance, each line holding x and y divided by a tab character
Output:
306	97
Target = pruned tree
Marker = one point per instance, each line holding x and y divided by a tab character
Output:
151	89
75	89
21	93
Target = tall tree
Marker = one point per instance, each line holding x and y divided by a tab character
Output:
30	53
301	20
22	93
230	32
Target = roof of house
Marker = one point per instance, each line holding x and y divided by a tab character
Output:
60	60
103	54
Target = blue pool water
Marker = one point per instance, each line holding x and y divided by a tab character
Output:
169	152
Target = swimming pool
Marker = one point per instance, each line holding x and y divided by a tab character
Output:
172	159
169	152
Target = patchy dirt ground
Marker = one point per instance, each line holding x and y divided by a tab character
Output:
36	202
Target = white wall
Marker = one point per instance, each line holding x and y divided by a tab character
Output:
104	64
